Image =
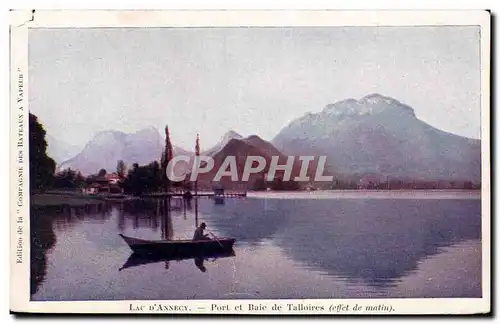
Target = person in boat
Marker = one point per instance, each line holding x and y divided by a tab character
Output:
198	233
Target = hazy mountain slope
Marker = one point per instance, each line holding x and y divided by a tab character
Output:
268	149
59	150
379	134
222	143
107	147
241	149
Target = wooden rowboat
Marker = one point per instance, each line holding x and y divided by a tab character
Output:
178	247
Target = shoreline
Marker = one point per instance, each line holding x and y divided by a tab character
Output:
68	199
75	199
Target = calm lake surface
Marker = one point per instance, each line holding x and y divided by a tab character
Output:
289	245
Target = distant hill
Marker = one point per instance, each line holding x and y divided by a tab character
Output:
59	150
222	143
380	135
374	137
107	147
241	149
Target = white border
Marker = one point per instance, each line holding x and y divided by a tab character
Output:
248	18
19	293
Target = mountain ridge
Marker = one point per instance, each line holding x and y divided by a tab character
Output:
379	134
225	139
59	150
241	149
373	135
107	147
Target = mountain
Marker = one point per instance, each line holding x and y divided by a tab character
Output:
380	135
241	148
222	143
107	147
263	146
59	150
268	149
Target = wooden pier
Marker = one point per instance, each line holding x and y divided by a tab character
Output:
199	194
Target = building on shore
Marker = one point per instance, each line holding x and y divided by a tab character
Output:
106	184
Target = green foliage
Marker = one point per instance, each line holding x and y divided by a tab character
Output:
187	185
143	179
101	173
344	184
120	169
42	167
259	184
279	184
69	179
276	184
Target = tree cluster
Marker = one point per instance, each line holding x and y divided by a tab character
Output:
277	184
68	179
42	167
143	179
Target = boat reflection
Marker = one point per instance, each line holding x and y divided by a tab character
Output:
136	260
199	263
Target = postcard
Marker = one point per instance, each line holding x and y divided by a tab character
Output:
270	162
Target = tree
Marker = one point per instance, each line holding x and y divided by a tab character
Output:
68	179
101	173
120	169
143	179
259	184
42	167
187	185
279	184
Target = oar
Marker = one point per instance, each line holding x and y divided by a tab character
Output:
216	239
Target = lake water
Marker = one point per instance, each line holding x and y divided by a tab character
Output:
289	245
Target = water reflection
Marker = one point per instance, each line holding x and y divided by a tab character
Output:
65	217
250	221
43	222
199	264
219	200
151	214
286	248
136	260
378	241
42	239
